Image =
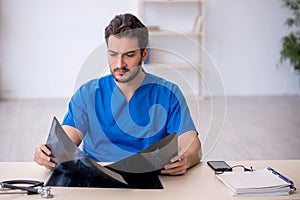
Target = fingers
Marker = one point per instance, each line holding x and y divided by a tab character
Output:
177	158
45	149
177	167
42	156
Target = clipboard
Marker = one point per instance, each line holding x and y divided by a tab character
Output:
263	182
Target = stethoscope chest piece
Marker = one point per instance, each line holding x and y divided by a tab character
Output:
45	192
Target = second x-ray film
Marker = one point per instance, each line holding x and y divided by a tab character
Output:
75	169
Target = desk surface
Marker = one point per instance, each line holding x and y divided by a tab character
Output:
198	183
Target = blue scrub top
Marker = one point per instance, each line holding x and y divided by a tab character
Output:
114	128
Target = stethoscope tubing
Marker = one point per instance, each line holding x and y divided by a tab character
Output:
13	184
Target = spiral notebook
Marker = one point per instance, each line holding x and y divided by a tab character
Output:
257	183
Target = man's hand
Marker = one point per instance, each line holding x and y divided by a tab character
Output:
42	156
189	154
178	166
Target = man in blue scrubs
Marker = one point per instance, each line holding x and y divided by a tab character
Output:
125	112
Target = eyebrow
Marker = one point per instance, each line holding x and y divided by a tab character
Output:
111	51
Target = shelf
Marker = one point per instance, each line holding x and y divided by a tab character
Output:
176	39
173	33
176	66
173	1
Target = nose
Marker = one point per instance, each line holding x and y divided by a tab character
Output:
120	61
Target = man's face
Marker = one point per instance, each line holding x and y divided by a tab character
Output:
124	57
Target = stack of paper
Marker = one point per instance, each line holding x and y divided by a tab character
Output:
260	182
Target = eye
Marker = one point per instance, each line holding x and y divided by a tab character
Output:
112	54
130	54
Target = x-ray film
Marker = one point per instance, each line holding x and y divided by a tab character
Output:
150	159
75	169
62	148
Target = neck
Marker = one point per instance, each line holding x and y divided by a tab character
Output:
130	87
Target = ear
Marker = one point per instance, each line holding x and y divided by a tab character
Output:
145	54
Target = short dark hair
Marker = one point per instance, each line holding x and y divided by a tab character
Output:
128	25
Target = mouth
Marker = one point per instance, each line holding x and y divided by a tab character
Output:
120	71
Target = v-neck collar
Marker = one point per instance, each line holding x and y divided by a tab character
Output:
119	93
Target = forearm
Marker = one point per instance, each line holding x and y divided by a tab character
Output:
193	153
190	148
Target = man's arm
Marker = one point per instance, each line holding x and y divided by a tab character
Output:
189	154
74	134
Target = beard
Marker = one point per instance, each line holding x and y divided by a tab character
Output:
129	75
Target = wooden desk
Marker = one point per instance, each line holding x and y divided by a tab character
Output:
198	183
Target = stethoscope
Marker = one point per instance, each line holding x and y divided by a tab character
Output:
30	188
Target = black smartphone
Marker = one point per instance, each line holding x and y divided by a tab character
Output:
219	166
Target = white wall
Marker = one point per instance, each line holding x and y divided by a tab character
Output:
244	41
43	44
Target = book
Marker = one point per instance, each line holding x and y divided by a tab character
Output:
262	182
153	28
75	169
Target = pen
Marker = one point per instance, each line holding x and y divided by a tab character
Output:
280	176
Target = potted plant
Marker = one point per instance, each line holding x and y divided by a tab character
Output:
290	50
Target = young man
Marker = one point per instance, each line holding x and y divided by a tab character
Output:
125	112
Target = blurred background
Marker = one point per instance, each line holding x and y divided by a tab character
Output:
45	43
